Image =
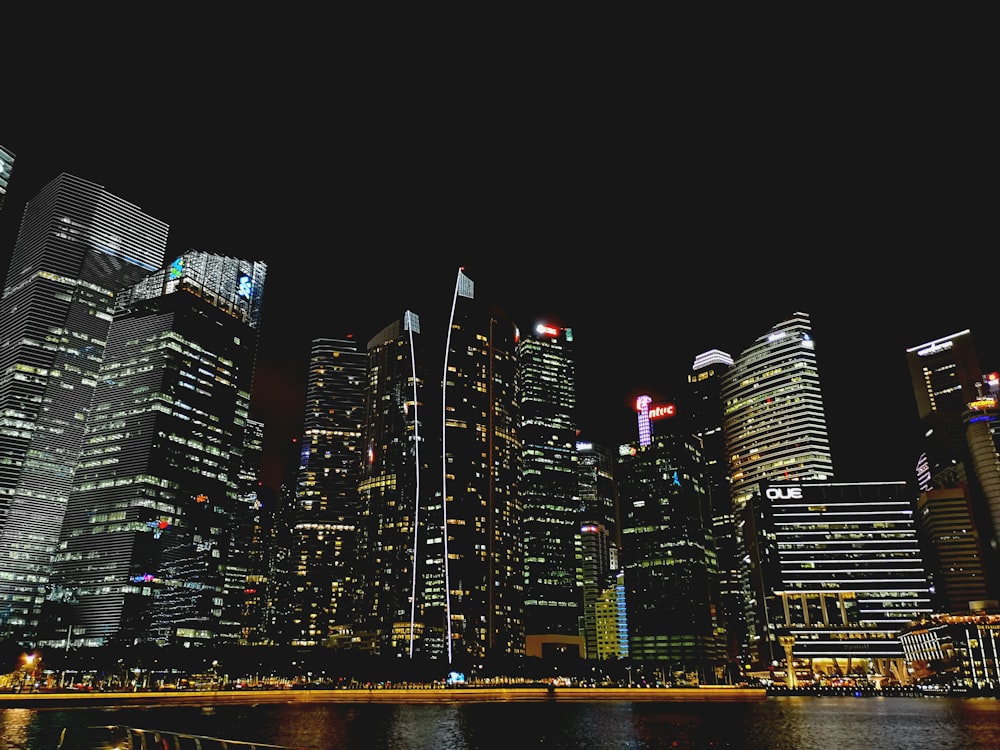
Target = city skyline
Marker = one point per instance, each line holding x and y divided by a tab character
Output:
644	289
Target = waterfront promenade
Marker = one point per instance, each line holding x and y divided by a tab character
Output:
384	695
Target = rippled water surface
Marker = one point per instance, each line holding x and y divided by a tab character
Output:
787	723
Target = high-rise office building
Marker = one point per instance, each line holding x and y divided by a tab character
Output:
956	406
77	246
600	555
481	518
6	168
955	554
982	434
156	525
703	414
774	423
401	569
837	572
669	559
552	511
257	514
773	415
944	373
322	585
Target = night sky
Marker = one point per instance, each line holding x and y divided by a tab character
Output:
656	222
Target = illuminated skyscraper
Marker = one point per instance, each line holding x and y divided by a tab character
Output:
955	553
323	585
944	374
481	519
401	554
774	424
957	407
669	558
258	514
156	525
550	491
837	572
704	415
600	555
982	434
773	415
77	246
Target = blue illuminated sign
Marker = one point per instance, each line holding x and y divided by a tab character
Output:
245	288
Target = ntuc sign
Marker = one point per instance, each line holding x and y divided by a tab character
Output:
783	493
645	405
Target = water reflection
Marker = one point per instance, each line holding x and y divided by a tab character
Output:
787	723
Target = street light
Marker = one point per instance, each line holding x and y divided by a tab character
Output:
28	669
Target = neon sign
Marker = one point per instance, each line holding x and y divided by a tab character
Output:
177	268
245	286
662	411
642	407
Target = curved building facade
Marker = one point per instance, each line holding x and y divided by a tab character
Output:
773	415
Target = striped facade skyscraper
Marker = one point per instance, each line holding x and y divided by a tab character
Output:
837	573
78	245
774	423
6	168
322	584
158	527
773	414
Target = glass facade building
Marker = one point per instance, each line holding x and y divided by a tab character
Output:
77	246
600	554
957	408
773	414
401	555
157	528
550	490
669	559
703	414
481	468
836	572
322	585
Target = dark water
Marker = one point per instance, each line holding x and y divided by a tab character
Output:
787	723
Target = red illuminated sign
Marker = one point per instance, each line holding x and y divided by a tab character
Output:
662	411
659	411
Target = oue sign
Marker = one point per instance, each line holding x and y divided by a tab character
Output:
783	493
